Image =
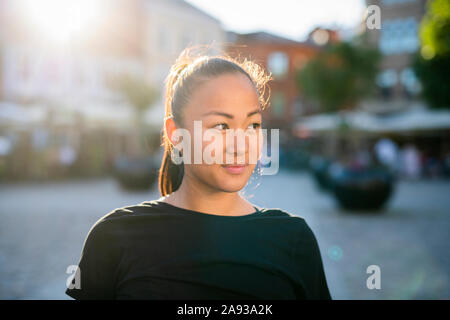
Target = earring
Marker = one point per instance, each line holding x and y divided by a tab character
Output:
176	156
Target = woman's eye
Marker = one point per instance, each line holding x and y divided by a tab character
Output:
255	125
221	126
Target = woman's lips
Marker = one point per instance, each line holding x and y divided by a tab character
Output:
235	169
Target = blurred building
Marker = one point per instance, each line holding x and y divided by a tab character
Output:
58	64
322	36
398	40
283	58
399	89
63	71
173	25
139	37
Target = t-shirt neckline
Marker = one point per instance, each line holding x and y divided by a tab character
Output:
204	214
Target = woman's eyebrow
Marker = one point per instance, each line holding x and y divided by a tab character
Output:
230	116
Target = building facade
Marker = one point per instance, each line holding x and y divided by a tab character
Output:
141	38
57	60
171	26
398	40
283	58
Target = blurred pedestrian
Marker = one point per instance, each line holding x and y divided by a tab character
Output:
386	151
410	163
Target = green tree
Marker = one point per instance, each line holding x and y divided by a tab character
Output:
432	63
340	75
137	92
140	95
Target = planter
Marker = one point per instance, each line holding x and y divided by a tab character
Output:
362	189
319	169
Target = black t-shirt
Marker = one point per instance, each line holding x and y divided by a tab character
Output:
154	250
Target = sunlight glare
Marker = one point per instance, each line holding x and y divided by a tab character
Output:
62	20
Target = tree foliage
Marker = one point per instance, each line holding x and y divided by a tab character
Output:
140	95
136	91
340	75
432	64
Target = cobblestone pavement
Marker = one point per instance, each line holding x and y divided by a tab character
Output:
43	227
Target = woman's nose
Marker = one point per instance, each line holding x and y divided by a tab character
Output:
236	142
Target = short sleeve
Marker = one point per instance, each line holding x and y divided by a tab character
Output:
312	283
94	278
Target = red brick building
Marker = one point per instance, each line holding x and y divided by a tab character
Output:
283	58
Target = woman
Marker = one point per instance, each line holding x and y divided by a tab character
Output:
201	239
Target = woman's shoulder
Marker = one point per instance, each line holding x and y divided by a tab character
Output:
277	212
296	221
115	223
125	214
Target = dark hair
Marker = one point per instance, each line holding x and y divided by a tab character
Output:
185	75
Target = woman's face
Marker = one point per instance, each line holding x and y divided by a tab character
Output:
229	101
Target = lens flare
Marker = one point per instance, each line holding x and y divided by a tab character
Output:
61	20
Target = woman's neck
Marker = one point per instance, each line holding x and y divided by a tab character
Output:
195	196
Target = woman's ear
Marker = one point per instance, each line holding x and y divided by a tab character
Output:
170	128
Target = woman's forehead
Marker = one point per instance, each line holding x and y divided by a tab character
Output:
230	93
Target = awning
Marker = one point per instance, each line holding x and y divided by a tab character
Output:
413	119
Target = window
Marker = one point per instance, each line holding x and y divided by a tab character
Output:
386	80
320	37
278	63
278	104
399	36
410	81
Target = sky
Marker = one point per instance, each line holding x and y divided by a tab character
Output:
292	19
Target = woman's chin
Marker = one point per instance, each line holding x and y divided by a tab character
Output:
233	183
232	188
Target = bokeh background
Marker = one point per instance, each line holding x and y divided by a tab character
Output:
363	113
